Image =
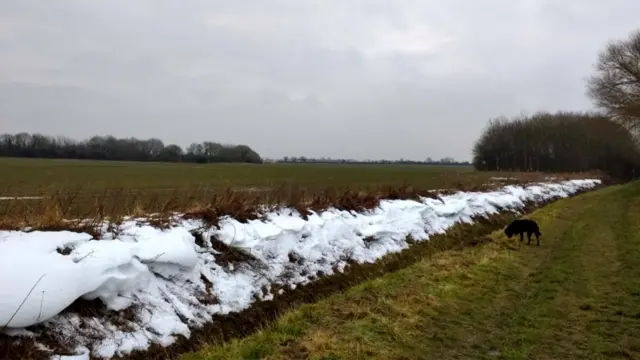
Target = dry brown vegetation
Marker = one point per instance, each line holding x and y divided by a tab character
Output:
77	210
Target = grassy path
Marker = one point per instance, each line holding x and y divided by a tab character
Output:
575	297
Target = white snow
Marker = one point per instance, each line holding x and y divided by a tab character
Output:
159	273
6	198
83	354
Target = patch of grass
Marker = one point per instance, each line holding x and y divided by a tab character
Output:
574	297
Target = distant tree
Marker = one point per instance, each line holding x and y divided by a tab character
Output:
615	87
153	147
111	148
171	153
328	160
560	142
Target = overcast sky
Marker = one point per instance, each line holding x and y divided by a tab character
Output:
341	78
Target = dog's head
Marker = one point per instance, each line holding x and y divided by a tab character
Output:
509	232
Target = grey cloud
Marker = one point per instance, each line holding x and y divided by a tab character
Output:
360	78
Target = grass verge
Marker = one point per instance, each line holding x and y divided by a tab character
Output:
575	297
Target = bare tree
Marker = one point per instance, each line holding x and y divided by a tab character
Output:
615	87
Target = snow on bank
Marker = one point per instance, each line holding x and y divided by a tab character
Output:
169	281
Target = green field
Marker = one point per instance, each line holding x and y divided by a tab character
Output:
577	296
28	176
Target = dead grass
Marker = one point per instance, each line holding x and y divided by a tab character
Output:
231	255
76	210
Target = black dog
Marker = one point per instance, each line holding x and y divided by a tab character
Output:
522	226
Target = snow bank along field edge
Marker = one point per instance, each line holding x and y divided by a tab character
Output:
173	284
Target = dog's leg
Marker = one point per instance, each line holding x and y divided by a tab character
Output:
529	238
538	239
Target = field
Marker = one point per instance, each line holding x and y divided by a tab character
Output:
41	193
34	176
575	297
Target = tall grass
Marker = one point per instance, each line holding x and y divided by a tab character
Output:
75	209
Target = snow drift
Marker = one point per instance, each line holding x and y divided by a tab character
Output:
173	283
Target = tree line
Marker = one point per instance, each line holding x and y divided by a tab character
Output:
568	141
328	160
123	149
558	142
